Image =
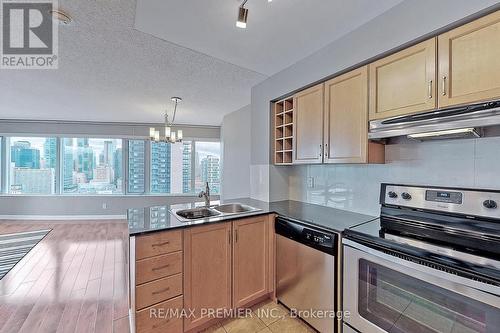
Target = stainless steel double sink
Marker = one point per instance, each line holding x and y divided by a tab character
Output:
186	215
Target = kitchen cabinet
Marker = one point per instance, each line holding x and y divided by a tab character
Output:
308	126
404	82
251	258
469	62
346	120
156	279
207	270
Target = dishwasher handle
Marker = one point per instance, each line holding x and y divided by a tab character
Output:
313	237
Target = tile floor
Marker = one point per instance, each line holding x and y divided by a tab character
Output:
266	317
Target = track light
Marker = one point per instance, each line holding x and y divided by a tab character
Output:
242	16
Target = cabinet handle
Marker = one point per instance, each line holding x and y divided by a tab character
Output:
236	236
161	267
229	236
444	85
326	150
430	89
160	291
320	150
161	244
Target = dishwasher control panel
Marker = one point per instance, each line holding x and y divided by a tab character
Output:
305	234
318	238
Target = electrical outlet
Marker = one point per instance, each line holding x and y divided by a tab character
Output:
310	182
104	205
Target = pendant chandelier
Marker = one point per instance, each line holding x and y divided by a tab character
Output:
169	136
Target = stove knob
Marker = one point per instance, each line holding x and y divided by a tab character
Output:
406	196
392	194
490	204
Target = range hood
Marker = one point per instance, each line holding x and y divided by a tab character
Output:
456	122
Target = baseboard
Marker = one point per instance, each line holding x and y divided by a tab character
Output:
62	217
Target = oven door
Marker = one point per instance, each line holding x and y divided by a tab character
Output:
384	293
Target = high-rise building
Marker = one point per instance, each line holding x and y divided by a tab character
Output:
23	156
69	183
160	167
33	181
136	164
85	161
210	172
109	152
117	164
186	167
50	153
103	174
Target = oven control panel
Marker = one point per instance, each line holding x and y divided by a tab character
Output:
444	196
471	202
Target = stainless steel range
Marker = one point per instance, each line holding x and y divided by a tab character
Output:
430	263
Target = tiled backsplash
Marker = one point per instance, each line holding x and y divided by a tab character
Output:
463	163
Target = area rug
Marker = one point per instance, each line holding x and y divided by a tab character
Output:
13	247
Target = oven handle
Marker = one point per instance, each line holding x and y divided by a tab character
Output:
434	276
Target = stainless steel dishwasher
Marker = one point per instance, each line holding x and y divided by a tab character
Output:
305	272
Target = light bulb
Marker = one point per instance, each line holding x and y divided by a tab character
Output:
167	131
157	136
152	133
173	137
179	135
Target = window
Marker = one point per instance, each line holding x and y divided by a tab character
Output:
170	167
207	168
136	165
32	165
92	166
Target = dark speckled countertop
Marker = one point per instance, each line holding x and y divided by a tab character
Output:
159	218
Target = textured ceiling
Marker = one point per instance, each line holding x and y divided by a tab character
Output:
278	33
108	71
111	71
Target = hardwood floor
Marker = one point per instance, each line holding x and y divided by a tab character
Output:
74	280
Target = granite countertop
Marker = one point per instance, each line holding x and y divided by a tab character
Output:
159	218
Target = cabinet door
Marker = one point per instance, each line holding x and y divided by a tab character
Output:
207	270
469	62
346	118
404	82
308	126
250	259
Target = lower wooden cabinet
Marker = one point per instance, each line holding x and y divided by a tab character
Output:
220	266
207	271
250	259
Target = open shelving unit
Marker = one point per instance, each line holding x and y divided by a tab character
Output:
283	131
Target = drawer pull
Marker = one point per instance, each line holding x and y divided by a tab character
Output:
161	267
161	244
161	291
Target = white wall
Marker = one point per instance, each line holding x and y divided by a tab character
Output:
236	145
401	24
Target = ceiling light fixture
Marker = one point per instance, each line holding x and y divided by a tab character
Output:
241	22
170	136
61	16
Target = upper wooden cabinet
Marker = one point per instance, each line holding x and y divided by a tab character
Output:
207	270
404	82
308	126
469	62
250	259
346	120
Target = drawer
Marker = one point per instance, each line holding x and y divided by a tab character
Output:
158	243
158	267
157	291
157	318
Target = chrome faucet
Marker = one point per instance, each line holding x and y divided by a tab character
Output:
205	194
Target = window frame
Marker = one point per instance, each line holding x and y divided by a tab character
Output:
5	141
